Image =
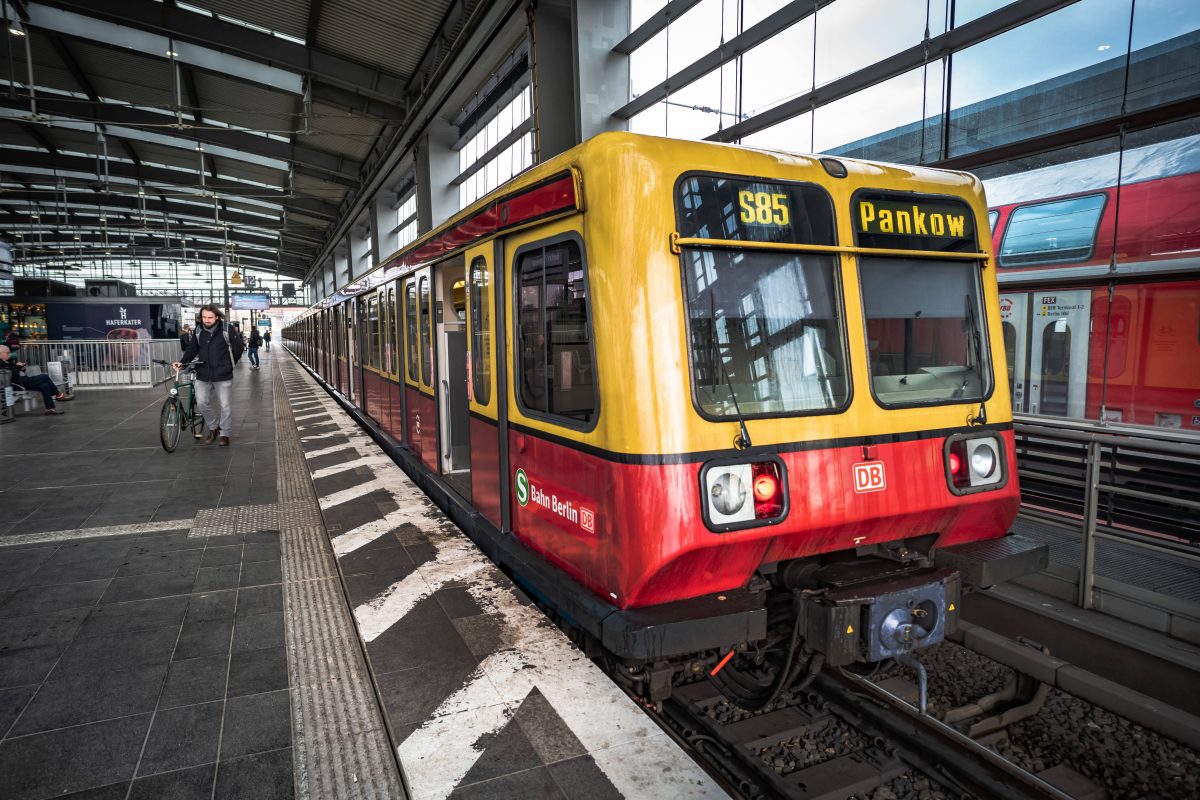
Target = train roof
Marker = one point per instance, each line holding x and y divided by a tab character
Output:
483	217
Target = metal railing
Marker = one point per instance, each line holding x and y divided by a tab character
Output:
1135	485
104	363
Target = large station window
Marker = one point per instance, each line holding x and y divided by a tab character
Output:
555	368
481	336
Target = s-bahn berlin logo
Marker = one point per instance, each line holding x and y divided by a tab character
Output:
558	501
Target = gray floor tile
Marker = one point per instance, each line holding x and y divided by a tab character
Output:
263	776
182	737
71	759
256	723
255	671
92	697
195	783
197	680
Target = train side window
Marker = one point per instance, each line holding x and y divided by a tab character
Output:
481	336
1058	232
554	334
412	348
993	218
426	345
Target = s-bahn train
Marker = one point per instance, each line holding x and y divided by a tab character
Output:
1100	294
722	410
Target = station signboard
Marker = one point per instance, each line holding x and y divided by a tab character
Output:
250	301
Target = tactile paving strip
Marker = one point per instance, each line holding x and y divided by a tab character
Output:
340	745
233	520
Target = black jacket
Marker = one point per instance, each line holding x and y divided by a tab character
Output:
212	350
186	339
255	339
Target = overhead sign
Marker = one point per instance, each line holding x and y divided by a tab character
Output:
250	301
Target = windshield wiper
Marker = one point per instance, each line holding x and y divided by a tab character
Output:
742	440
976	339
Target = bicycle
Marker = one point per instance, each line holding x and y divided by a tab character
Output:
179	413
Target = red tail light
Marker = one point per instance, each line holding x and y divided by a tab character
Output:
768	491
957	462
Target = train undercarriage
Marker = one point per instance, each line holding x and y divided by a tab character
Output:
842	609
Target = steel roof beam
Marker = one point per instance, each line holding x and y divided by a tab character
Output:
175	210
81	169
316	163
81	80
227	37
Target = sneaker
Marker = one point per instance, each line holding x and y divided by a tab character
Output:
50	411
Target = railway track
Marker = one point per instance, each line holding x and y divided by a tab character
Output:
861	737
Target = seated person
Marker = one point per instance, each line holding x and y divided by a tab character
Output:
39	383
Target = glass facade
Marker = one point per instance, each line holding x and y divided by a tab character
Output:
1097	234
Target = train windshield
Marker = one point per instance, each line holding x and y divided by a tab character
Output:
925	331
765	333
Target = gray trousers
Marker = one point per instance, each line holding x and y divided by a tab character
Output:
204	403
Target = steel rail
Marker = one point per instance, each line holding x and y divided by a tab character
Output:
932	746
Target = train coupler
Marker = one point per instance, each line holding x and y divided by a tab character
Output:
875	620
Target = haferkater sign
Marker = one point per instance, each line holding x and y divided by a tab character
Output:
557	505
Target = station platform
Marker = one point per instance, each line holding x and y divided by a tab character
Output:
284	617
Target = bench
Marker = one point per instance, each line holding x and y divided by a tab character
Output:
11	394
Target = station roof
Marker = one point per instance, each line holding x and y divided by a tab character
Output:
172	127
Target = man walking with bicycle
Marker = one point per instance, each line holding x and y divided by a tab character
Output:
219	349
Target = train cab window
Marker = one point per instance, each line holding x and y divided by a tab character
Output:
1058	232
765	327
993	218
481	336
925	331
554	347
425	324
412	348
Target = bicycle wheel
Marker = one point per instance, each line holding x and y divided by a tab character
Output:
168	424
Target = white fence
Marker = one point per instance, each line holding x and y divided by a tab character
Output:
104	363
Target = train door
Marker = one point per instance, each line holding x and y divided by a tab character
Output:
454	422
482	375
352	334
1056	339
1014	320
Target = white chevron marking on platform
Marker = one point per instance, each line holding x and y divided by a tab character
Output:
415	512
365	461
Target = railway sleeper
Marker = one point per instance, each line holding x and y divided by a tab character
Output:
851	774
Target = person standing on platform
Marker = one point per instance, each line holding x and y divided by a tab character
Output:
267	338
220	349
186	338
252	348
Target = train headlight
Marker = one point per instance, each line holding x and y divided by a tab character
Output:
728	493
974	463
739	495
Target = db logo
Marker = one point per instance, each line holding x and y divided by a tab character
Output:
869	477
587	520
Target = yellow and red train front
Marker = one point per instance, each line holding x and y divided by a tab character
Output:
843	313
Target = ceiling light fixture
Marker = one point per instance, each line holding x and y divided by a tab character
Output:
16	28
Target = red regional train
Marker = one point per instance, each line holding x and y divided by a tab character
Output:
1100	285
719	409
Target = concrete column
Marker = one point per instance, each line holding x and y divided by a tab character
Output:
437	166
554	77
602	75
